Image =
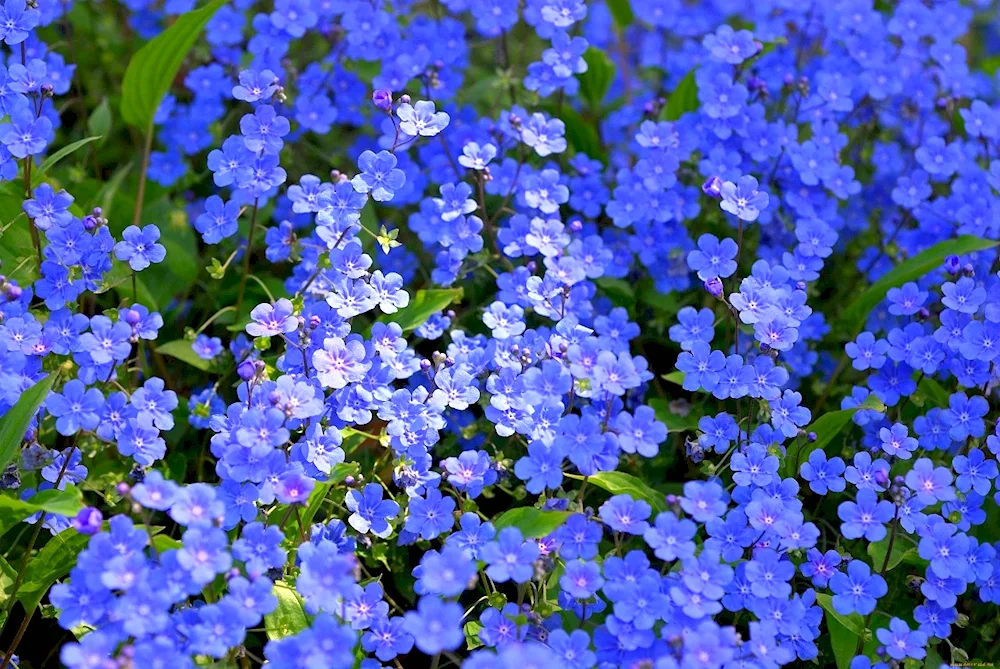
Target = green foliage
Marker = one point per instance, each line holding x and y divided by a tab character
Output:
844	631
153	68
422	306
52	563
181	350
66	502
621	11
38	176
532	522
684	99
15	422
852	319
826	427
289	617
595	82
620	483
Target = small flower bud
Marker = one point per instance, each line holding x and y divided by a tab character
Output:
274	398
246	370
811	436
425	364
382	99
123	488
712	187
969	270
132	317
952	265
405	99
714	287
14	292
881	477
576	225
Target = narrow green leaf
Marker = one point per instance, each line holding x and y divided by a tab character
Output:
38	176
826	427
621	11
153	68
532	522
290	616
595	82
682	100
422	306
854	316
316	497
15	422
61	502
843	642
181	349
620	483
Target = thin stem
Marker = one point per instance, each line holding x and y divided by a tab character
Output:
885	566
246	261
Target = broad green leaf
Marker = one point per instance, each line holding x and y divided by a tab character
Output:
682	100
422	306
38	176
595	82
619	291
163	543
181	349
621	11
581	134
50	564
902	551
933	392
842	640
15	422
853	318
61	502
853	622
674	422
532	522
99	122
153	68
826	427
620	483
290	616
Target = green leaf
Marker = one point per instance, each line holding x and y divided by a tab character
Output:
684	99
153	68
843	642
853	623
826	427
595	82
675	378
933	392
316	497
900	553
532	522
422	305
60	502
620	483
621	11
50	564
581	134
181	349
290	616
15	422
853	318
38	176
99	122
619	291
471	631
674	422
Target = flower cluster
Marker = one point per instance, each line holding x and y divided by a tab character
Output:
500	334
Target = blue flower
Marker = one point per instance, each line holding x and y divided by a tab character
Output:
379	175
866	517
713	258
509	557
858	590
